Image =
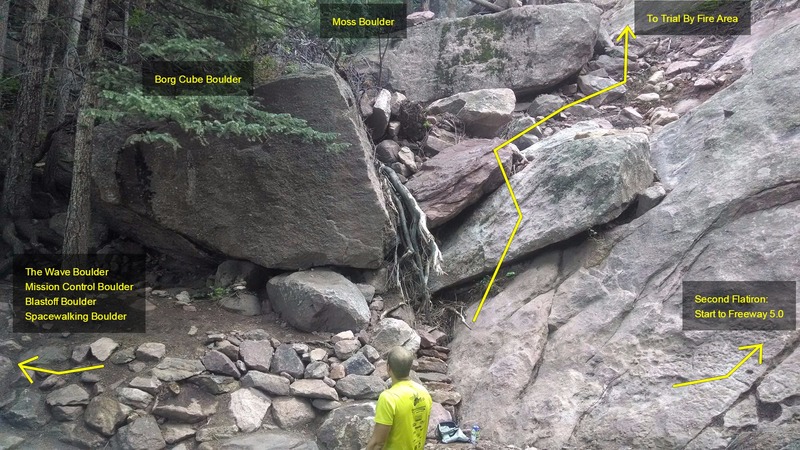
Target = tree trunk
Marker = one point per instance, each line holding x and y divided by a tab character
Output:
126	30
4	6
70	65
16	199
79	213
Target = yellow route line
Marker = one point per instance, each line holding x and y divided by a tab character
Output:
24	367
756	348
624	33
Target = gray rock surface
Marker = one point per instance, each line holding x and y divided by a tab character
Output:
526	49
190	406
291	412
103	348
360	387
27	411
151	351
348	427
484	111
286	360
358	364
318	300
248	408
390	333
580	184
582	348
70	395
177	369
104	415
217	362
453	180
244	303
257	355
141	434
203	199
265	382
313	389
268	440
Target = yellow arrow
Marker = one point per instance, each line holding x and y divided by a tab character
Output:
24	367
756	348
626	33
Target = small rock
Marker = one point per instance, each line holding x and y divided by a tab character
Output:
151	351
102	348
681	66
316	370
151	385
346	348
446	397
318	354
343	336
137	366
104	415
183	297
228	349
10	347
704	83
136	398
123	356
337	371
214	433
192	330
215	384
216	362
313	389
80	353
72	395
360	387
359	364
387	151
177	369
663	117
66	413
249	407
656	77
268	383
406	157
290	412
325	405
141	434
285	359
300	348
631	113
428	364
192	405
176	433
243	303
257	354
648	97
371	353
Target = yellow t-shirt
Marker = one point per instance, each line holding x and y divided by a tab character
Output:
406	406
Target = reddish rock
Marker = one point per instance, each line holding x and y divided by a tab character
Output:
453	180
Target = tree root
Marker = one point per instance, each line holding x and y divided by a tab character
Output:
418	241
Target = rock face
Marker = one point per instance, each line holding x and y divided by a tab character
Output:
347	427
588	342
526	49
484	112
561	193
318	300
269	203
453	180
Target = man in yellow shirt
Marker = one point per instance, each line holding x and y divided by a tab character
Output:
401	416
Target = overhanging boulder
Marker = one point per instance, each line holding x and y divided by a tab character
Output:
527	49
280	203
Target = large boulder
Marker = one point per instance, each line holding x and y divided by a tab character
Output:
484	112
587	344
281	203
453	180
348	427
578	185
318	300
526	49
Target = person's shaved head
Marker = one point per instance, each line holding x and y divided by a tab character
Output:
400	361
